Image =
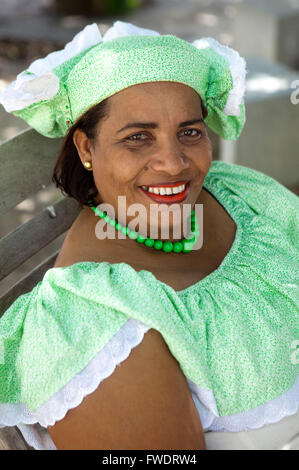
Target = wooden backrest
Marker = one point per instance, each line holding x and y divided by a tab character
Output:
26	163
26	166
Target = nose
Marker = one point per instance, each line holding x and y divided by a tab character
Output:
169	159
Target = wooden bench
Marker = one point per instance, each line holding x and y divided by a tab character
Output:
27	161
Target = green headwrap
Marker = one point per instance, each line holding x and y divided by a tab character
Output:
55	91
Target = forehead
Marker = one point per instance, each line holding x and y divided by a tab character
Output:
154	94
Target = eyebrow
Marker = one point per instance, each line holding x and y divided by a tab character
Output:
154	125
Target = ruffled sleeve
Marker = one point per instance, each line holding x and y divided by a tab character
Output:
62	339
51	333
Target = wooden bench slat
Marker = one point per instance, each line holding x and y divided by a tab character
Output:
27	283
29	238
26	161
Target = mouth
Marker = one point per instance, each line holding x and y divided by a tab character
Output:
167	193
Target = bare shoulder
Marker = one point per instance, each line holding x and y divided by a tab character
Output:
80	243
145	404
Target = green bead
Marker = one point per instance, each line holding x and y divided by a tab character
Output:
141	238
118	226
158	244
133	235
113	223
124	230
149	242
193	217
107	218
177	247
167	247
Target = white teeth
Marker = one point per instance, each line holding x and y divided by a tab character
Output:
162	191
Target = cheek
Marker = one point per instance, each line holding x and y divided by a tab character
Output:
208	154
115	172
202	156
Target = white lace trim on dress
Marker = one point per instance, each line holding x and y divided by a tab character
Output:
271	412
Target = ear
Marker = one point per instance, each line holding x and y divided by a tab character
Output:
83	145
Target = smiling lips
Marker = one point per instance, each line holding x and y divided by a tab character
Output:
167	193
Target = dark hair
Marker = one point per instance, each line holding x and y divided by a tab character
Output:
69	174
204	110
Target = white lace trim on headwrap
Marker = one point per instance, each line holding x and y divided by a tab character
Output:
120	28
237	67
28	89
39	83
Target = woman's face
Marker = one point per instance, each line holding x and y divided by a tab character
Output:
164	152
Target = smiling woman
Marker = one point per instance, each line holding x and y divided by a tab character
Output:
166	155
69	174
136	341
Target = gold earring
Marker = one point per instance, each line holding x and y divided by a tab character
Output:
88	165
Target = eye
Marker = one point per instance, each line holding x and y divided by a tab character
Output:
199	133
130	138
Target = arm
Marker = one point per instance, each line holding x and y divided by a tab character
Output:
145	404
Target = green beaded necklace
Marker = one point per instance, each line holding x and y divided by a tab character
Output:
185	245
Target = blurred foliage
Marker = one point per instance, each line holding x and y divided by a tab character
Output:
115	7
96	7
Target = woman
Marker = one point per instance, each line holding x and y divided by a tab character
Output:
202	326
